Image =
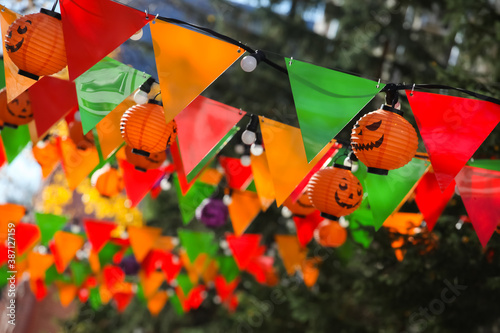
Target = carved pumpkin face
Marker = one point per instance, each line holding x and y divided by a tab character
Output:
39	38
302	207
143	163
383	140
335	192
17	112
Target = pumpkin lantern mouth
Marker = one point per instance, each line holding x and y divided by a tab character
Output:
368	146
344	204
14	48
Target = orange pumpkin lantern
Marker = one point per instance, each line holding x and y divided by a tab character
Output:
76	135
35	44
144	129
383	140
46	154
17	112
335	191
109	183
302	207
330	234
143	163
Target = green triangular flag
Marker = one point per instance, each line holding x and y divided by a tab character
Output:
485	164
95	299
79	271
228	267
196	243
107	253
360	222
2	75
48	225
176	303
3	276
386	193
326	100
14	140
185	284
140	294
103	87
193	198
51	275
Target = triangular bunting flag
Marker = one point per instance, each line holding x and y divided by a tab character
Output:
49	224
80	270
157	302
138	183
64	248
244	248
103	87
404	223
3	157
67	292
291	252
94	28
77	163
286	156
238	176
387	193
485	164
14	140
326	100
361	223
46	153
171	267
151	283
26	237
122	300
430	200
51	99
305	226
263	180
38	264
183	71
452	135
243	209
228	267
480	192
98	233
194	197
142	240
15	83
200	126
196	243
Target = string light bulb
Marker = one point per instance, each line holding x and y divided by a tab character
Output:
250	134
141	95
245	159
256	148
249	62
138	35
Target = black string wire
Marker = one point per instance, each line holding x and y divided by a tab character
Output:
55	5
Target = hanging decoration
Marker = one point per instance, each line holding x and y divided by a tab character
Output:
143	163
214	213
383	140
109	182
305	226
335	192
325	101
301	207
75	131
462	121
16	113
330	234
39	39
14	141
263	181
243	209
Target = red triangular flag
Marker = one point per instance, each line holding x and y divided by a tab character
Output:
225	289
51	99
138	183
200	126
238	176
122	300
94	28
452	129
26	236
306	225
113	275
480	192
98	233
430	200
171	267
244	248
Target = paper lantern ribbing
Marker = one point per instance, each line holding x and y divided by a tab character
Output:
17	112
335	192
35	44
109	183
330	234
144	129
383	140
143	163
81	141
302	207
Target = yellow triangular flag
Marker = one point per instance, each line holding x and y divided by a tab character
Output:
187	62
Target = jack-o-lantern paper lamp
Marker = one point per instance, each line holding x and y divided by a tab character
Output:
330	234
383	140
335	192
81	141
109	183
144	129
302	207
35	44
143	163
17	112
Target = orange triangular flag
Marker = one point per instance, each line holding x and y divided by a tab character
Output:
77	163
194	269
9	213
151	283
292	254
67	292
38	264
65	245
15	83
244	208
157	302
404	223
165	243
286	156
187	62
142	240
263	180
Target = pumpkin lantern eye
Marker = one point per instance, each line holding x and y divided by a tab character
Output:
359	192
374	126
343	186
22	31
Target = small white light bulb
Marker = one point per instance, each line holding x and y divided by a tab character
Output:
354	167
227	200
248	63
141	97
245	160
343	222
256	149
248	137
165	184
239	149
137	35
286	213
